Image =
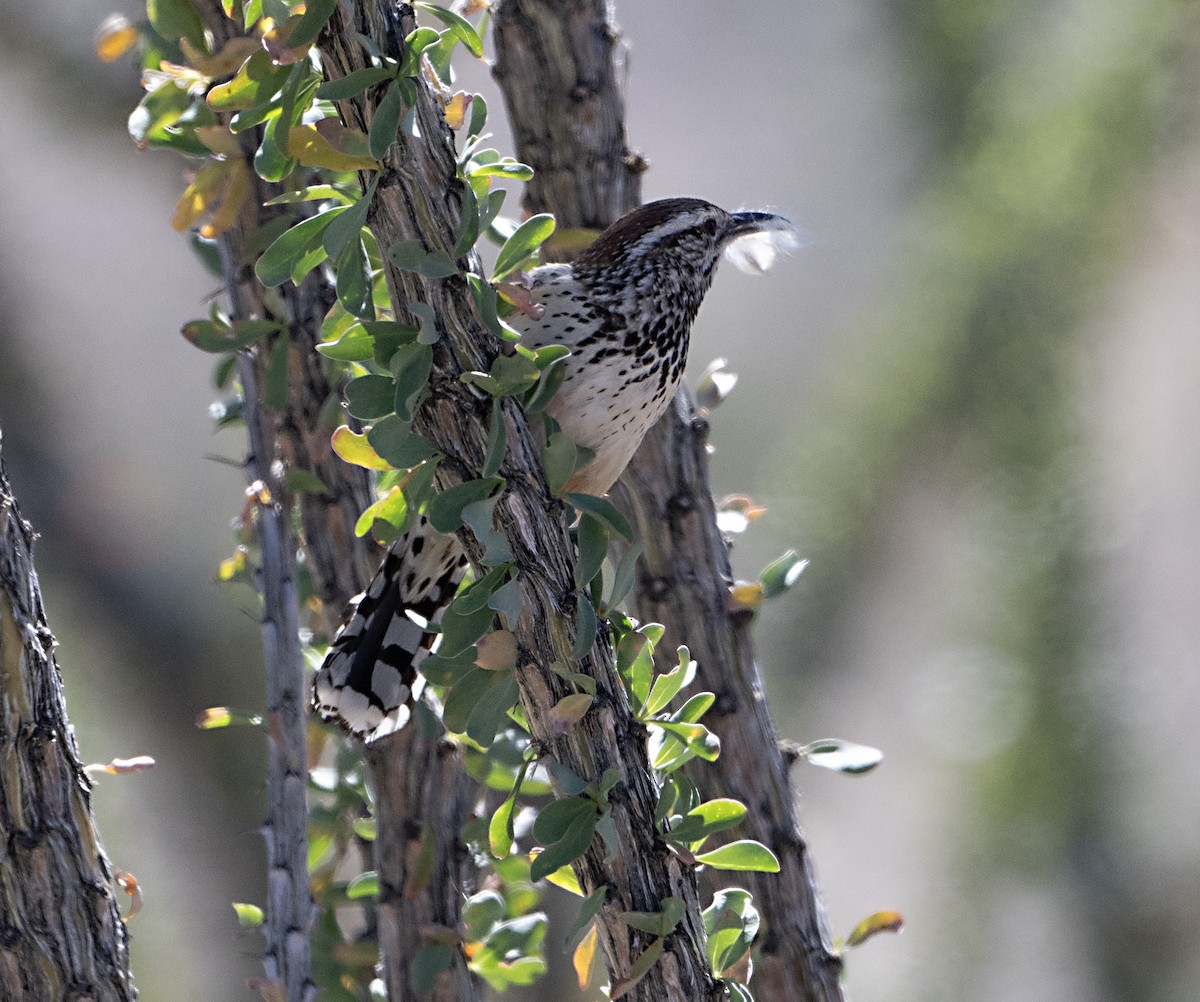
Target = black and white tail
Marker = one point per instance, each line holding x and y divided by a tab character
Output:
371	675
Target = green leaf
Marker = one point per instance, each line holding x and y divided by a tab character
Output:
395	441
478	116
365	829
255	83
386	518
428	962
711	816
304	481
354	83
550	379
500	828
507	601
365	885
586	626
469	233
635	664
386	121
508	170
779	575
353	345
369	397
316	14
411	255
389	336
175	19
574	827
480	516
463	29
745	854
415	43
558	460
480	914
248	915
478	703
219	337
592	539
349	224
354	281
275	379
276	264
411	365
461	630
624	576
660	923
522	244
604	510
842	756
588	910
665	688
497	437
445	510
491	711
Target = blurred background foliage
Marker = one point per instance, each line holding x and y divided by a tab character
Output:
971	401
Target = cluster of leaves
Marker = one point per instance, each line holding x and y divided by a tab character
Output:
260	104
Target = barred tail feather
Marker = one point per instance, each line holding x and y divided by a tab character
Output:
371	674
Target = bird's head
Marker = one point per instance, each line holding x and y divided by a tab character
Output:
669	249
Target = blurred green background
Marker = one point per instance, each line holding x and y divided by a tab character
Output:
972	399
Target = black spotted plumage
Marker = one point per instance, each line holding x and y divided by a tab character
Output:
625	308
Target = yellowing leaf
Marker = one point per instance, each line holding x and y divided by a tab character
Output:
219	139
584	959
886	921
226	62
497	651
275	42
569	710
129	884
745	597
200	196
456	109
237	189
563	877
312	149
356	450
121	766
114	38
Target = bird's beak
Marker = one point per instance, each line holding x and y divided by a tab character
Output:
745	223
755	239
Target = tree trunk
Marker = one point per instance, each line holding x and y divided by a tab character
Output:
557	65
61	934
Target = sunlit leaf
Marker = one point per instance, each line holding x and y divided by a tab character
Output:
842	756
312	149
584	958
522	244
365	885
885	921
248	915
356	450
745	854
115	37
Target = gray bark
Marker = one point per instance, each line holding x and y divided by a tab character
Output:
419	783
556	66
419	199
61	934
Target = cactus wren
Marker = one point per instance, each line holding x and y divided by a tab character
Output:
625	309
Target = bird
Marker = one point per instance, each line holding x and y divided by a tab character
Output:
625	309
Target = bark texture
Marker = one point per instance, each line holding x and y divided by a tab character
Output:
418	199
419	783
61	934
556	66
